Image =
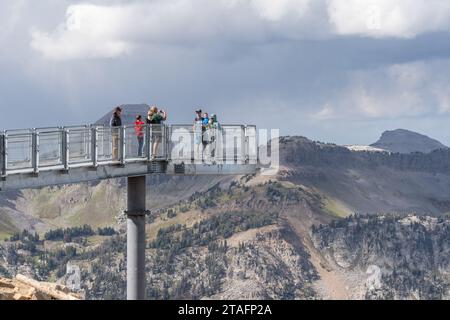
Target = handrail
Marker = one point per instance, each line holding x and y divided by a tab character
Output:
61	148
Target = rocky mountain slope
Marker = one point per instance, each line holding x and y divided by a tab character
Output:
293	235
401	257
256	238
366	182
405	141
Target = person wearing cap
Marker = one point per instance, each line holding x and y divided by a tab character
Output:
115	123
215	123
116	120
198	114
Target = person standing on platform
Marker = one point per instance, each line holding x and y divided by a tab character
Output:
139	130
155	118
116	124
198	134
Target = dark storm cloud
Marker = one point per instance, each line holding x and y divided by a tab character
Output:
339	83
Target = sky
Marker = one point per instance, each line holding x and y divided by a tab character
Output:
340	71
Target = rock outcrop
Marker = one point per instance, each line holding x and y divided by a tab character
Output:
23	288
404	141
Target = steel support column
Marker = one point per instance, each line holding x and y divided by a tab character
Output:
136	238
3	158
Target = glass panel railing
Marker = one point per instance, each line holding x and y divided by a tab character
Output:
227	143
233	137
183	143
251	144
158	140
108	144
135	142
18	149
50	147
70	146
79	143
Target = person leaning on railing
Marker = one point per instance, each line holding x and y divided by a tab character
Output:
155	118
115	123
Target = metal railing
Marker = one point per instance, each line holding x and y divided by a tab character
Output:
62	148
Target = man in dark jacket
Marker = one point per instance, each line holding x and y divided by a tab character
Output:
116	120
116	123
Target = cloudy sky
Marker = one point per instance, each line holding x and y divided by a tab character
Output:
333	70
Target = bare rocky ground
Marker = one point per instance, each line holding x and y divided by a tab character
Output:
23	288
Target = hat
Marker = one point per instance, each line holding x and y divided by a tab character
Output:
198	111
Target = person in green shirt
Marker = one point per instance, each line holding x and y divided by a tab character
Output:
155	119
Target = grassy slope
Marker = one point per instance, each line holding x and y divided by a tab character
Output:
7	228
75	205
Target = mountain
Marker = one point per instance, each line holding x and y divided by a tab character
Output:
404	141
395	257
369	182
129	113
331	224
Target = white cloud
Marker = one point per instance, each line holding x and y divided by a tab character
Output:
92	30
327	112
74	45
387	18
89	31
409	90
109	30
277	10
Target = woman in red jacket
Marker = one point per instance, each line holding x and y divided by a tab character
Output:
139	130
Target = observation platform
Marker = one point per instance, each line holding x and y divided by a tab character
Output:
34	158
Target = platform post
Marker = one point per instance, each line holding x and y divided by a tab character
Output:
3	159
94	146
136	238
65	148
35	150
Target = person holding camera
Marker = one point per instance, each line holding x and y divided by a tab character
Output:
155	119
